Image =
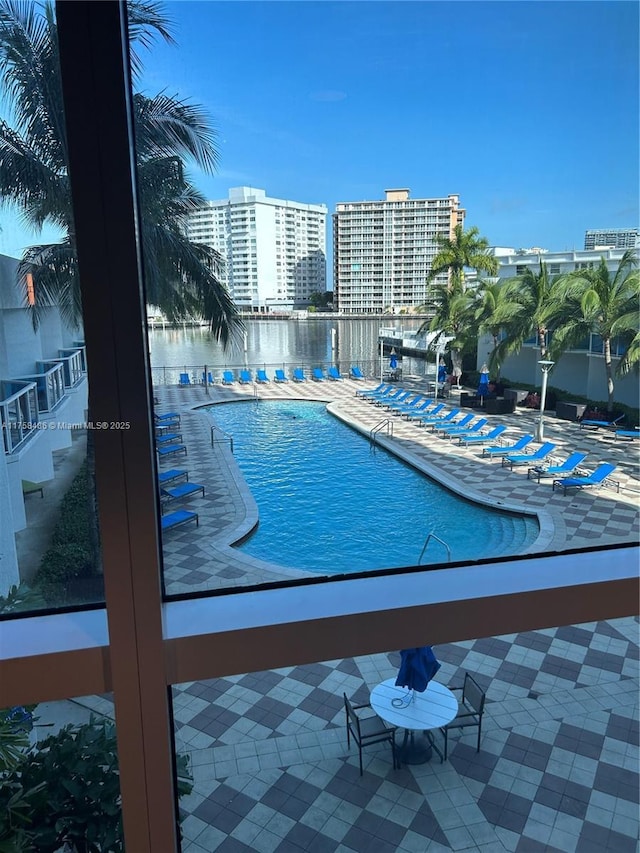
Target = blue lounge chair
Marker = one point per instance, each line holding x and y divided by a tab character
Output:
169	438
318	374
180	516
496	432
167	416
245	377
369	392
461	431
298	375
356	373
261	377
542	452
434	421
173	474
280	375
421	408
170	449
184	490
463	423
227	377
627	434
409	405
184	380
596	478
419	416
207	379
570	464
499	450
394	400
388	396
334	373
594	424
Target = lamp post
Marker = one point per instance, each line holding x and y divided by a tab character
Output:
545	366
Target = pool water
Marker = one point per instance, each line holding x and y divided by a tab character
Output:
329	502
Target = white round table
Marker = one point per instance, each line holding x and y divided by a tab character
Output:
432	709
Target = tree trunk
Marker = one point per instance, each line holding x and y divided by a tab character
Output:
606	342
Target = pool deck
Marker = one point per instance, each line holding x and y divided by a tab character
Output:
557	771
201	558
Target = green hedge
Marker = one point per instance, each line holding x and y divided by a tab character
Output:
67	573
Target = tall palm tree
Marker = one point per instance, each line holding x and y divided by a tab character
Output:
465	249
526	310
454	318
493	308
181	277
594	300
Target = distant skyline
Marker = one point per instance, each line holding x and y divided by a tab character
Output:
527	110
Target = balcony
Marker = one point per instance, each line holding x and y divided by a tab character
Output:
73	366
18	412
49	387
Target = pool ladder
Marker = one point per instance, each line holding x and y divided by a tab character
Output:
388	423
438	539
226	438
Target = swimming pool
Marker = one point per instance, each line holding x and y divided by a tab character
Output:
330	503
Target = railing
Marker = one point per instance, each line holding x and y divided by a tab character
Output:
72	366
226	438
49	385
170	374
18	413
437	539
388	423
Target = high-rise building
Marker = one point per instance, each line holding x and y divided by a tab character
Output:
383	250
611	238
274	251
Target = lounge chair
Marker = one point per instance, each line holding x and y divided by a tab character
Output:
594	424
334	373
184	490
409	405
542	452
169	438
318	374
496	432
627	434
419	416
389	396
570	464
369	392
394	399
167	416
356	373
227	377
450	424
261	376
280	376
180	516
298	375
184	380
172	474
170	449
434	421
499	450
421	408
461	431
596	478
207	379
245	377
31	488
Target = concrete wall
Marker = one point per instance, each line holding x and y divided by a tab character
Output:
9	574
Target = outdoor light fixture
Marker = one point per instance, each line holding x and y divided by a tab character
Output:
545	366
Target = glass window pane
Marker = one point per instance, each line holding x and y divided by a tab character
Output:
49	534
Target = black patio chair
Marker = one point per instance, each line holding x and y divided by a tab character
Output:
367	731
470	710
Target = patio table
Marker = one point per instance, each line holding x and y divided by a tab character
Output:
432	709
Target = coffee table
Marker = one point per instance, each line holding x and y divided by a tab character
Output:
423	712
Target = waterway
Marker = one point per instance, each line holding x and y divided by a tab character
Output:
310	342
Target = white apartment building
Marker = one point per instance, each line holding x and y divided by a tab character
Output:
383	250
274	251
515	262
611	238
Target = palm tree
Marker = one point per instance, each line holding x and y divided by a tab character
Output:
594	300
525	310
181	277
465	249
494	307
454	318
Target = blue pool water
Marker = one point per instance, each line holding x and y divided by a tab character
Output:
330	503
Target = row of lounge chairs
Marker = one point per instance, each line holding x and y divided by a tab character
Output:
174	484
470	429
246	377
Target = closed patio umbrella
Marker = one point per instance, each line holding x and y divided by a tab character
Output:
417	668
483	385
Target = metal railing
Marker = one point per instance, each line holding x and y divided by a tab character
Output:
72	366
388	423
170	374
50	386
437	539
18	413
225	439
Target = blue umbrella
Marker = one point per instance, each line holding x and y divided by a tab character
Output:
483	386
442	373
393	361
417	668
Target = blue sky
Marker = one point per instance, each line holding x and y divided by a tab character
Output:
528	110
